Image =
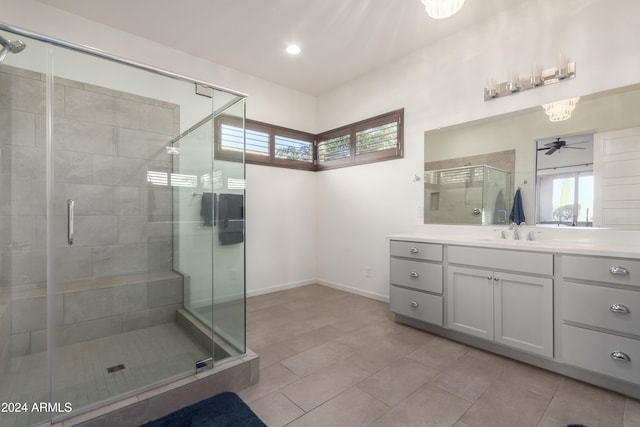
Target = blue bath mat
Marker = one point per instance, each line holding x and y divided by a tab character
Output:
224	410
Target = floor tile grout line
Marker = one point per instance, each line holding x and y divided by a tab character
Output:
553	396
390	407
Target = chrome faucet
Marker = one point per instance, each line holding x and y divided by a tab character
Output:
516	229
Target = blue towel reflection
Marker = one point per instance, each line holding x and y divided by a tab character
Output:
517	211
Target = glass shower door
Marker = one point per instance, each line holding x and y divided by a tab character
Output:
213	260
23	209
228	310
114	293
105	246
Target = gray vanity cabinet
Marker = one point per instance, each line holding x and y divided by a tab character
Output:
601	315
506	307
416	281
572	312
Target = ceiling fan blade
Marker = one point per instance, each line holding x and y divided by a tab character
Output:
575	148
551	151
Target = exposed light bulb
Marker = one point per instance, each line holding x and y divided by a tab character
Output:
440	9
293	49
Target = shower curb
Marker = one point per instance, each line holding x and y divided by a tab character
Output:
150	404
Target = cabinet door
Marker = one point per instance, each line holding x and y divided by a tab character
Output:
470	301
524	312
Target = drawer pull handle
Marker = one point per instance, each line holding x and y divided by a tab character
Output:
414	304
619	308
415	274
414	250
620	356
619	271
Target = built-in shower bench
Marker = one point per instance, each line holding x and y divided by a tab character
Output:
93	308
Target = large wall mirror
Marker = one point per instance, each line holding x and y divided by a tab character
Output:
583	171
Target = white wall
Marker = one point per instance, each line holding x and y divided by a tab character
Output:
281	229
268	102
353	209
443	85
276	204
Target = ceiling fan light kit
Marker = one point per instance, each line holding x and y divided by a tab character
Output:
538	78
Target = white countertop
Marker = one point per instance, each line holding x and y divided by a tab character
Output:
601	244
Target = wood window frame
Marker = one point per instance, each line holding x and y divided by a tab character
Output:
353	159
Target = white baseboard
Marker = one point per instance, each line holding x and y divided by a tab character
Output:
281	287
334	285
352	290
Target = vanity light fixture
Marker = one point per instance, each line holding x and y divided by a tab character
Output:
560	110
440	9
539	77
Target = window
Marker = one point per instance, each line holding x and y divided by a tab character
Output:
292	147
265	144
566	198
335	148
371	140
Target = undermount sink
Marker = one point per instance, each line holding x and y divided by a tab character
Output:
511	241
534	243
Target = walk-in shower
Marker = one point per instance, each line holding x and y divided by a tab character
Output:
121	227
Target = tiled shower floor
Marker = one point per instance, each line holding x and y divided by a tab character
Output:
80	370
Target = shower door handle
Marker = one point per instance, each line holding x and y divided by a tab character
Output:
70	205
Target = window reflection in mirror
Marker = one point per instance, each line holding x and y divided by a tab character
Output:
564	181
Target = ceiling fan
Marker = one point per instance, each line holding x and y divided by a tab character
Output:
556	145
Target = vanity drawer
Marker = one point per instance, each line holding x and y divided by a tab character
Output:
595	351
608	308
602	269
417	250
520	261
419	275
417	305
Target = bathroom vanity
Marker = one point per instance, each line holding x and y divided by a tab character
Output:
570	307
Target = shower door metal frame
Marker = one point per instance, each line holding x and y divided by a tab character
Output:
102	54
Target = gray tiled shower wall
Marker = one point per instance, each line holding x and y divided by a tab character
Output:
94	313
105	141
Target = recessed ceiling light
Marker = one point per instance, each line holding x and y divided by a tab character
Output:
293	49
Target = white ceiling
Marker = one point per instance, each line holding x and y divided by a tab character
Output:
340	39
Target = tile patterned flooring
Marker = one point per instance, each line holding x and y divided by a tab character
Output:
330	358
